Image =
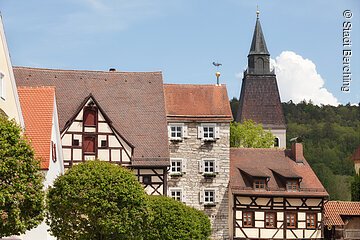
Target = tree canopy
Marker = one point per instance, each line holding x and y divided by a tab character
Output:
21	188
174	220
355	188
250	135
97	200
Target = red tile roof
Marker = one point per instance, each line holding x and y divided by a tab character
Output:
335	209
197	102
133	101
37	106
273	163
356	154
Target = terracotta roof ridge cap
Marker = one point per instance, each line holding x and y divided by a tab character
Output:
79	70
36	87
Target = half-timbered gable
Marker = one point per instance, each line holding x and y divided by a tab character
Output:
113	116
198	131
89	135
275	195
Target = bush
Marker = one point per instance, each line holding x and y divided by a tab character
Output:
21	188
97	200
174	220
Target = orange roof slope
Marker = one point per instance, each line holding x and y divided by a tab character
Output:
335	209
196	102
271	162
37	105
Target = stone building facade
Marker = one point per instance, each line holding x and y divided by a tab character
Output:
199	144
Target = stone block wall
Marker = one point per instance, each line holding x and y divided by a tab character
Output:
192	182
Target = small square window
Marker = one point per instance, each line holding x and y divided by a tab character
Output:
176	194
176	166
292	185
146	179
176	132
248	219
209	132
104	143
209	166
76	142
311	220
259	184
209	196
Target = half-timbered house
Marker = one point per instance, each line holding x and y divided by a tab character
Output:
199	141
275	195
113	116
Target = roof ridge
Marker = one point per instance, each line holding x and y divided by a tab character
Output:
36	87
80	70
195	84
255	149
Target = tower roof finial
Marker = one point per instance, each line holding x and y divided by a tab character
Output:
257	11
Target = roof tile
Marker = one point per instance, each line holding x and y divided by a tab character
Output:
333	210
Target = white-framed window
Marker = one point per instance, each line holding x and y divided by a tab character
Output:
2	86
209	166
209	196
176	193
177	131
208	131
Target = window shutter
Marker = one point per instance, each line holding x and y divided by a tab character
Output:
201	196
217	167
201	168
217	196
169	131
183	197
185	131
200	131
183	166
217	132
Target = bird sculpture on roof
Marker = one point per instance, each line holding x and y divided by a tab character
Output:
217	64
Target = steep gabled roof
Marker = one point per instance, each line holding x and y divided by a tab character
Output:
38	108
260	101
134	101
333	210
190	102
271	162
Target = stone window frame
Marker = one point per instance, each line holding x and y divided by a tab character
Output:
176	193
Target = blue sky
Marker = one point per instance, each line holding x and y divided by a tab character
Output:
183	38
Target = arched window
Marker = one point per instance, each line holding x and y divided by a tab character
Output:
90	117
276	142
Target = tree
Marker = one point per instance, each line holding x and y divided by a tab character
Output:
250	135
174	220
21	188
97	200
355	188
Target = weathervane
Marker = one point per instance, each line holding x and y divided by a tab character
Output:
257	11
217	74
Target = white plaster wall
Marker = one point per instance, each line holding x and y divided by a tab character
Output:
281	134
10	103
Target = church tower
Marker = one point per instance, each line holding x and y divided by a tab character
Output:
259	96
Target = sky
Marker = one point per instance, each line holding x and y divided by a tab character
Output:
182	38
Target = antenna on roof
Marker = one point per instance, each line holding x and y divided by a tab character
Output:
217	74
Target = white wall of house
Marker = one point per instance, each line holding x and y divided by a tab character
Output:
281	135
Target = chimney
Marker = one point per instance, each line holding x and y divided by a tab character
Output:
297	152
112	70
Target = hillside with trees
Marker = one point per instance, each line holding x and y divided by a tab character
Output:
331	134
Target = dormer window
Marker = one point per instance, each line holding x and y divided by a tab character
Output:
292	185
260	184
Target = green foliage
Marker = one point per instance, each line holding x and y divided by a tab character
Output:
355	188
97	200
250	135
21	188
174	220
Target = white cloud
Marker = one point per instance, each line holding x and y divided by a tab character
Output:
298	80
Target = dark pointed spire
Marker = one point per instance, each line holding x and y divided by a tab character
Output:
259	56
